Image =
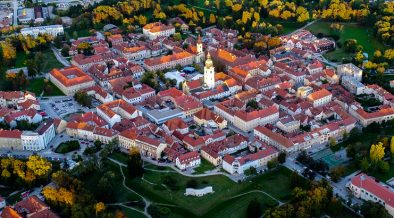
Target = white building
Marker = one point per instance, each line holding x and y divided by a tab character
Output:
353	85
259	159
190	159
209	73
157	29
40	138
367	188
350	70
53	30
320	98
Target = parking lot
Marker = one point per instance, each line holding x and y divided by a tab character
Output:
61	106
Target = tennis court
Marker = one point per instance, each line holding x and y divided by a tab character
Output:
330	158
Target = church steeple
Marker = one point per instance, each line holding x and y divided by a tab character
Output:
209	73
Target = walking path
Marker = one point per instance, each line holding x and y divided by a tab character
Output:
146	201
59	57
257	191
301	28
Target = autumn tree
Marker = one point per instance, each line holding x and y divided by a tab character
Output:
135	163
106	14
376	152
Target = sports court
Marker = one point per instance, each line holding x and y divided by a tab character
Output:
330	158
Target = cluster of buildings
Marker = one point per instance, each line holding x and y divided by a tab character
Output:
29	207
288	101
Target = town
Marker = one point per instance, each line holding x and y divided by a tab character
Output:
107	113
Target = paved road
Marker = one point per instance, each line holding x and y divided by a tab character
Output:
59	57
15	15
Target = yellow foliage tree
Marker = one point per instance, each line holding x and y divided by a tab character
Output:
100	207
392	145
376	152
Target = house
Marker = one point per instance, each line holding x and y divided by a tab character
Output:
127	138
257	160
206	117
31	207
29	115
188	160
99	93
366	118
179	57
113	111
88	132
70	80
320	98
11	139
368	188
158	29
150	147
176	124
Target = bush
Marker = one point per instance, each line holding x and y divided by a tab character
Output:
192	183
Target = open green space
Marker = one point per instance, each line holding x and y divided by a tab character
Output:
68	146
49	60
236	207
363	35
169	188
204	166
37	87
71	33
132	213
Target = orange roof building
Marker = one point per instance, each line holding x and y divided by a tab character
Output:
70	79
158	29
181	57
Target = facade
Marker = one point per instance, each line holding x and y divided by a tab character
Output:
10	139
112	112
350	70
40	138
181	58
53	30
150	147
367	188
353	85
188	160
320	98
257	160
157	29
70	80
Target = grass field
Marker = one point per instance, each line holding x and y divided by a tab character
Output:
49	60
225	189
363	35
37	86
204	166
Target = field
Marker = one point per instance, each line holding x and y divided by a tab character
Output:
225	190
49	61
363	35
37	86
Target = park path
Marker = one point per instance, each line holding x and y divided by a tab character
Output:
303	27
257	191
123	204
59	57
146	201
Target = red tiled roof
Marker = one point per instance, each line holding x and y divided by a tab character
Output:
8	212
368	183
175	123
319	94
275	136
188	157
71	76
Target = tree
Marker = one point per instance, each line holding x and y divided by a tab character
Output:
135	163
376	152
282	157
364	165
254	209
371	209
332	142
337	172
83	98
65	50
272	164
100	207
85	48
350	45
253	104
383	166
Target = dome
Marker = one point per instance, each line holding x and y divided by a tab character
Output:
208	62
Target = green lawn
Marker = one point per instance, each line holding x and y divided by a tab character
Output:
152	187
50	61
236	207
204	166
37	86
68	146
363	35
119	156
81	33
